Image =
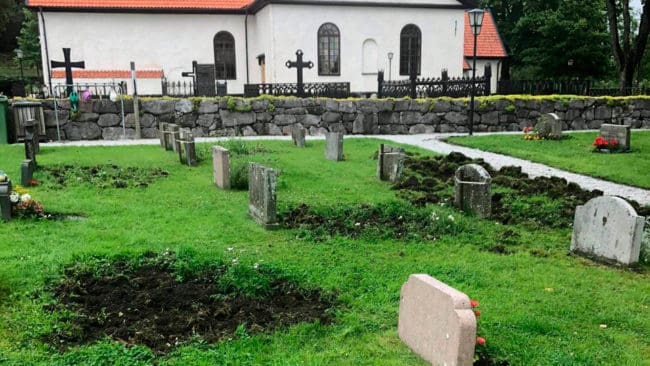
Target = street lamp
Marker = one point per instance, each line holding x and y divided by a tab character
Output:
19	54
475	22
390	62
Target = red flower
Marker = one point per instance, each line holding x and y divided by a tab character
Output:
600	142
34	182
473	303
480	340
613	142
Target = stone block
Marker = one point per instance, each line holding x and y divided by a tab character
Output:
334	146
158	107
308	120
183	106
298	136
208	106
109	120
437	321
621	133
262	183
26	172
233	119
472	184
608	228
83	131
390	163
5	201
421	129
118	133
105	106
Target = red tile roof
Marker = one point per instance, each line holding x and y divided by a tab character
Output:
141	4
489	42
106	74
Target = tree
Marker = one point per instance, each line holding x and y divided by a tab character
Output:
29	41
628	48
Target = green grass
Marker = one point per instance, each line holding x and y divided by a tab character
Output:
575	154
539	306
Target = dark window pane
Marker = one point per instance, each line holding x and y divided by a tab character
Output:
328	49
224	56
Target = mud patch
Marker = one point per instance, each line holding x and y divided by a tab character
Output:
516	198
153	301
101	176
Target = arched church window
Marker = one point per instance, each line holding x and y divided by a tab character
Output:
410	47
224	56
369	57
329	50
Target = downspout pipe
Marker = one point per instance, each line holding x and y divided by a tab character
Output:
246	44
47	52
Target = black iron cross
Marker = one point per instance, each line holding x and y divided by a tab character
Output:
68	68
299	65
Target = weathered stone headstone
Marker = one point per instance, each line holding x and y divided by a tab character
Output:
30	148
31	129
298	136
334	146
175	134
549	126
26	173
608	228
390	163
437	321
473	190
262	195
619	132
5	201
169	138
190	149
162	127
221	167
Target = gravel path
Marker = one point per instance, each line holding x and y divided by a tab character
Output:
433	142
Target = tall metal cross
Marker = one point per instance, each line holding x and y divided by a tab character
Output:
68	68
299	65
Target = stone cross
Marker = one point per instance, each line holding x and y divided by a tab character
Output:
5	201
262	183
334	146
299	65
472	190
298	136
608	228
26	173
221	166
437	321
68	68
390	163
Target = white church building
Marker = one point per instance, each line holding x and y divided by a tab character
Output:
250	41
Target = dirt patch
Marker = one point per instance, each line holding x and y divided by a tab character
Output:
148	302
101	176
516	198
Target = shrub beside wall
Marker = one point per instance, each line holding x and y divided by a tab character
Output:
101	119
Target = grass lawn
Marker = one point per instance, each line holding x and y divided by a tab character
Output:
539	306
575	154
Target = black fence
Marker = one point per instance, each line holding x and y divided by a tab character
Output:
329	90
90	90
433	87
178	88
544	87
617	92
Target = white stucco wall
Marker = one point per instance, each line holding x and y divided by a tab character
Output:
296	26
480	69
153	41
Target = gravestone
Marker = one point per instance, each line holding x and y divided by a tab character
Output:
608	228
175	135
190	149
299	64
30	148
437	321
68	65
221	167
262	195
619	132
5	201
298	136
31	128
162	127
549	126
473	190
26	173
390	163
334	146
205	79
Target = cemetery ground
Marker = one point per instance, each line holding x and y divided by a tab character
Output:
138	221
574	153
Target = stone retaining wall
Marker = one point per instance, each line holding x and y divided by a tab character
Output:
101	119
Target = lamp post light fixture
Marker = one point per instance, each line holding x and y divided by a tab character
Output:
390	62
475	22
20	54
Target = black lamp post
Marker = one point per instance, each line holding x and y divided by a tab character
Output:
19	54
390	62
475	22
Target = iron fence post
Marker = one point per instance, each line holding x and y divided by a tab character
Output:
380	83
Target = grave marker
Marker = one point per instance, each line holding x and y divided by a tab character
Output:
390	163
31	128
299	64
619	132
608	228
437	321
334	146
30	148
175	135
221	167
549	126
68	65
190	149
262	195
26	173
5	201
162	127
473	190
298	136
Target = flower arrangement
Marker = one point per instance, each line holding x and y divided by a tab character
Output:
23	205
530	133
603	144
479	340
